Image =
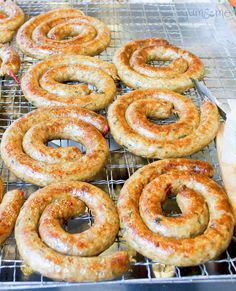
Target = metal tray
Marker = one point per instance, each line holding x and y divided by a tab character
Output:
208	30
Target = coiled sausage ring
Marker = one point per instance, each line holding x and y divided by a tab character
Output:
43	84
61	255
132	64
131	128
66	31
10	206
10	62
24	151
202	231
12	20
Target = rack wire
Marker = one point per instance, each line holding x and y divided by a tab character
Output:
204	28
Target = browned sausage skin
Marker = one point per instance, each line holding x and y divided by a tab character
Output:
56	202
131	62
10	206
13	20
10	62
24	151
45	34
153	234
130	126
43	84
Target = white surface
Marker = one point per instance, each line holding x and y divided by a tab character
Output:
229	140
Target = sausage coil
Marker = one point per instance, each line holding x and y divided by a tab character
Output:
65	31
13	19
61	255
43	84
10	206
202	231
24	151
131	128
132	60
10	62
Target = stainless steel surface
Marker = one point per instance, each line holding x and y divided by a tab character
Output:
205	28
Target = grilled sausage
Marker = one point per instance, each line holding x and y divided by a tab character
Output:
10	62
9	210
13	20
131	62
43	83
24	151
45	34
57	254
130	126
178	241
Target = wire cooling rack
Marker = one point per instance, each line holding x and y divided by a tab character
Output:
206	29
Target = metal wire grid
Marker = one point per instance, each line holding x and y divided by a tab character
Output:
182	24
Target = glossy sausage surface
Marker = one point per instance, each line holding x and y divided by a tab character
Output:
129	119
57	254
46	34
24	151
183	240
132	60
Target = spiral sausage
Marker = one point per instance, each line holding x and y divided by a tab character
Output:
9	210
46	34
24	152
131	62
13	20
57	254
43	83
130	127
203	230
10	62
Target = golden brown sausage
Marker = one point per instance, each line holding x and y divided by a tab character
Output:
57	254
133	69
13	20
9	210
46	34
131	128
43	83
24	151
151	233
10	62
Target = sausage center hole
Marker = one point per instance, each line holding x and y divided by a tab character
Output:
170	207
158	63
85	88
73	82
63	34
57	143
171	119
78	224
69	36
77	82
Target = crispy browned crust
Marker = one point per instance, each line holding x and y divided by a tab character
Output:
131	60
68	266
228	172
182	175
130	127
10	60
10	24
24	152
43	84
9	210
42	35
